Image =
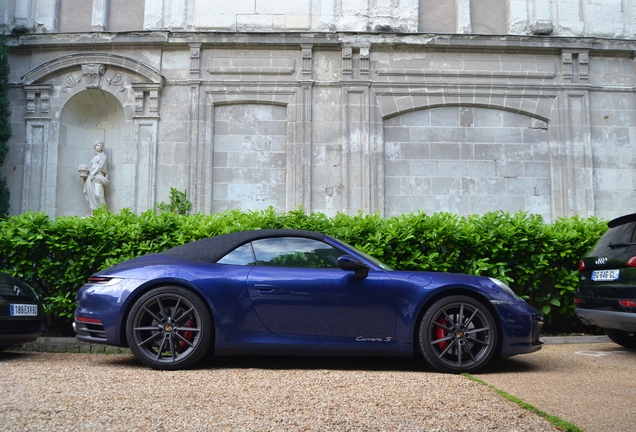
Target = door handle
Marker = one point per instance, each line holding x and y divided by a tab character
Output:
264	288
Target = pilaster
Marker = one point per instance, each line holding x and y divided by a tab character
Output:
36	188
99	20
140	174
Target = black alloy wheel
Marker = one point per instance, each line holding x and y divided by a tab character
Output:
458	334
169	328
623	338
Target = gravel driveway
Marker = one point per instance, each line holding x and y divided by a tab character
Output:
82	392
590	385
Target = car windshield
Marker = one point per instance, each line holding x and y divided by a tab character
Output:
368	257
617	237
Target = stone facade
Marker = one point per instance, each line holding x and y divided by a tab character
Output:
337	105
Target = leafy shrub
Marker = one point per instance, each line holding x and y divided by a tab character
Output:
537	260
178	204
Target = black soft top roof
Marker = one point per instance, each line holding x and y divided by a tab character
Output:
214	248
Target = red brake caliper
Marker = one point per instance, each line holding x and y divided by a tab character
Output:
189	335
440	333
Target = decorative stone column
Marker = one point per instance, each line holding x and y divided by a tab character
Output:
141	180
37	185
99	21
355	149
573	184
302	164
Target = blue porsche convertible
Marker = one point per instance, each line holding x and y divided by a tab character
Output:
298	292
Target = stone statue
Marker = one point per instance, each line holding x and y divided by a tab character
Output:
95	177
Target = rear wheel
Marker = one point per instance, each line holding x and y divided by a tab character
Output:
458	334
626	339
169	328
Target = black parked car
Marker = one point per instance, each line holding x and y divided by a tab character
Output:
20	317
607	283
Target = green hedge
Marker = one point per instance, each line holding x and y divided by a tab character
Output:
538	260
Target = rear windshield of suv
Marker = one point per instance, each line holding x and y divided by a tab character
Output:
615	239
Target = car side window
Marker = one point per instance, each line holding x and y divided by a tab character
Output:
242	255
295	252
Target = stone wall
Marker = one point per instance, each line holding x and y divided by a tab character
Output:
466	160
332	121
589	18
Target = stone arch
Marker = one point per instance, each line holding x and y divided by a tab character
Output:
515	110
88	116
73	61
466	159
539	104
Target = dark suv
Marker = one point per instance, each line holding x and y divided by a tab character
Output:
607	283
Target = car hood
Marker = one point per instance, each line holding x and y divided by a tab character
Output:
13	287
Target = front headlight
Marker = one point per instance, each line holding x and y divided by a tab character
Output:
505	288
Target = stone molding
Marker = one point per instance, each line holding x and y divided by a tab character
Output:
59	65
251	65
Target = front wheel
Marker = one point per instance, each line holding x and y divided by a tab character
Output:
458	334
623	338
169	328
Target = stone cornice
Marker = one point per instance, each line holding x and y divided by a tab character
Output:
374	41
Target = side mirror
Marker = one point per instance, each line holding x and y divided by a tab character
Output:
349	263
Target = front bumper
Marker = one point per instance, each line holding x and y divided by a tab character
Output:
90	332
19	330
521	325
607	319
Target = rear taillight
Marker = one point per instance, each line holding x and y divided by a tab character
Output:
87	320
581	266
627	303
577	300
631	262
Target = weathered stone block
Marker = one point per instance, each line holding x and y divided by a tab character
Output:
425	168
489	151
454	168
445	150
415	186
446	185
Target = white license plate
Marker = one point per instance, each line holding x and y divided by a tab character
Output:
605	275
23	310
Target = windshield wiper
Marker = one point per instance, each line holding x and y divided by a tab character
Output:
619	245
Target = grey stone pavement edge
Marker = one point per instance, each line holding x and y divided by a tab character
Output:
72	345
